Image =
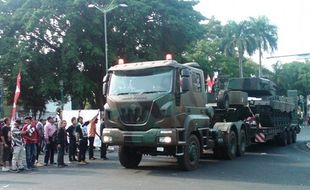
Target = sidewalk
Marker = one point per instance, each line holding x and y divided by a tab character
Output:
305	130
40	163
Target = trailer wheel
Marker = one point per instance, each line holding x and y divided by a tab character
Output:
231	145
242	143
129	158
190	159
294	136
289	137
283	138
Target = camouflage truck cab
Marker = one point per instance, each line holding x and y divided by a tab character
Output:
156	108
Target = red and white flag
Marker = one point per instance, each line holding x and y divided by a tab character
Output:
17	93
210	83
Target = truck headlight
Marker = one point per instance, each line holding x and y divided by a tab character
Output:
166	140
107	139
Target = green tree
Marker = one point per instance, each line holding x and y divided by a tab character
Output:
63	40
238	40
294	75
209	53
265	35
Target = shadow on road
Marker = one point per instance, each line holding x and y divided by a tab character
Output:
262	163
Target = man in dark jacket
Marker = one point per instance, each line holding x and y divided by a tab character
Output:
72	139
103	148
7	150
61	142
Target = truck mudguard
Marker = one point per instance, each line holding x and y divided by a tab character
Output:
226	126
194	123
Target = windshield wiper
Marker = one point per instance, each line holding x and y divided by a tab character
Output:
126	93
154	91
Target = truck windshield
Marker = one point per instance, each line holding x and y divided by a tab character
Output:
155	80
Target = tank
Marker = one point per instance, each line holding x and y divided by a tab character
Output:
273	110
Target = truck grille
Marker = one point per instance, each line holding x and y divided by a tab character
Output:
135	113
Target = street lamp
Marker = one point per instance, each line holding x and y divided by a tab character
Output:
105	10
1	98
61	84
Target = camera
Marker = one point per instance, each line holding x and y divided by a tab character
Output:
30	130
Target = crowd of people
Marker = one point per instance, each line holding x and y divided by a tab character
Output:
47	137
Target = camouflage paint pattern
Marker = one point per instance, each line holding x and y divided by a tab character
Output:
141	119
274	111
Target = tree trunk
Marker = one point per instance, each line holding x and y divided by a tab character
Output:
100	99
240	66
77	103
260	62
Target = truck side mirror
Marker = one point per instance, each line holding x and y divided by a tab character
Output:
185	81
105	85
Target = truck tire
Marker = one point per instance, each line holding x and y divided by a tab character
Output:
190	159
283	138
294	136
231	146
129	158
289	137
242	143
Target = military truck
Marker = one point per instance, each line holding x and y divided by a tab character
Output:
161	108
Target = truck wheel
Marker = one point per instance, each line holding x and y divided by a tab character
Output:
283	138
190	159
289	137
242	144
294	136
128	158
231	145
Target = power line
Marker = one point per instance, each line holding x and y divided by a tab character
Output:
292	55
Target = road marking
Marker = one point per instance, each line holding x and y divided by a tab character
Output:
4	186
300	150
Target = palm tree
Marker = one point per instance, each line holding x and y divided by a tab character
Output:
238	39
266	36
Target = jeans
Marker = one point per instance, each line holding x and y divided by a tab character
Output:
38	150
83	148
72	149
17	162
30	155
49	153
60	156
91	147
1	152
103	150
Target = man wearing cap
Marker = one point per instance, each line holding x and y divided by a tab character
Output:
30	139
50	133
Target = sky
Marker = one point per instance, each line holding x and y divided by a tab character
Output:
290	16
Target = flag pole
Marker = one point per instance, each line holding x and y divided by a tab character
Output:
17	94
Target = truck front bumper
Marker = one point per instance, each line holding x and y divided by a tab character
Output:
150	138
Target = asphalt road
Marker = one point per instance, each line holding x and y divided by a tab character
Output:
263	167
